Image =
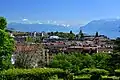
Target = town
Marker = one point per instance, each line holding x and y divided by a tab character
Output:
59	40
79	54
54	44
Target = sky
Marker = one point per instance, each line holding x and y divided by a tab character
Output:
62	11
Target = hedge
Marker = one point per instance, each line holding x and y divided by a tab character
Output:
92	71
87	77
110	78
117	72
31	74
82	77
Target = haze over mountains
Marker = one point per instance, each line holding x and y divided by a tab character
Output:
108	27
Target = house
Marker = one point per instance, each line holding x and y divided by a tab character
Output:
82	49
54	37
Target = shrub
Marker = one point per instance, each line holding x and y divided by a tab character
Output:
82	77
94	71
110	78
117	72
30	74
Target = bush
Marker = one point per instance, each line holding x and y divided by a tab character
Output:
110	78
94	71
117	72
30	74
82	77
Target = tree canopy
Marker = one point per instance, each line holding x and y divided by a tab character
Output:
6	45
75	62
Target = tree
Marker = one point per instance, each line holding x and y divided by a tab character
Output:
71	32
101	60
81	34
114	62
6	46
75	62
116	47
3	23
96	35
29	39
30	58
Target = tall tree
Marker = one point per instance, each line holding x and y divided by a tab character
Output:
71	32
3	23
96	35
81	34
28	58
6	46
116	47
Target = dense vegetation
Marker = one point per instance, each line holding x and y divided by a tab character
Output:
75	62
88	66
32	74
6	46
69	36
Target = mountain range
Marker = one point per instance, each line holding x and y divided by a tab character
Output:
108	27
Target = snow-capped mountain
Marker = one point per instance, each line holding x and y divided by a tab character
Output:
40	27
108	27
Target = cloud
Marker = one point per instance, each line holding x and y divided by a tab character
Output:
118	17
40	23
63	25
54	22
48	22
67	25
24	19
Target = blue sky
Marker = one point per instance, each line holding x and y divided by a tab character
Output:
67	11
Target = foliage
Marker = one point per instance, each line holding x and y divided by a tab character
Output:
116	47
69	36
114	61
82	77
30	59
96	73
29	39
96	35
87	77
81	35
117	72
92	71
6	46
110	78
3	23
30	74
101	60
75	62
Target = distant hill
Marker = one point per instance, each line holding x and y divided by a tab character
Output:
108	27
40	27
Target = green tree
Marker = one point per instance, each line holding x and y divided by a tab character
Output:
75	62
96	35
3	23
101	60
71	32
6	46
116	47
114	62
29	39
81	35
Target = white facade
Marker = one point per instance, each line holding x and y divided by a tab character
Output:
54	37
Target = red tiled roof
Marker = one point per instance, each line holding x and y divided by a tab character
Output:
20	48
